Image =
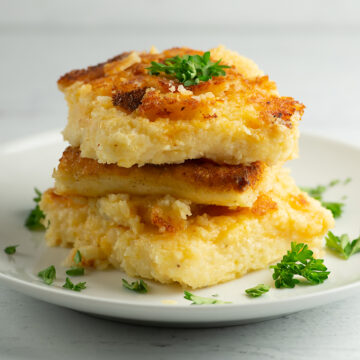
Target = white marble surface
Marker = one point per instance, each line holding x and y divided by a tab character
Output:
312	50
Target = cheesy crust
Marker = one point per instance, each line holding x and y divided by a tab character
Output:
200	181
173	240
119	113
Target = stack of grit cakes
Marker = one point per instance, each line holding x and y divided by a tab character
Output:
179	184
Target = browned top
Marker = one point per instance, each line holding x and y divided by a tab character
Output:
201	172
133	89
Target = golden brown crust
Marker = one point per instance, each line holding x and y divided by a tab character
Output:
263	205
278	109
298	201
129	100
164	99
200	171
87	75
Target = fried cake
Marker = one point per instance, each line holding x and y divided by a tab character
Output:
200	181
173	240
120	114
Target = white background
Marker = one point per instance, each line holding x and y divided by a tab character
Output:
310	48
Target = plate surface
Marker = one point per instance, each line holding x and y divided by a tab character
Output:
28	163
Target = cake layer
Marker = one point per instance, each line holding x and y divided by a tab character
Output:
119	113
200	181
172	240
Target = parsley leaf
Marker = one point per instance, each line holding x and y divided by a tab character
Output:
342	244
48	275
189	69
33	221
317	193
299	262
335	207
10	250
75	271
199	300
137	286
75	287
78	257
258	290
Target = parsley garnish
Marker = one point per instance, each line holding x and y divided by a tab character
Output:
342	244
317	193
258	290
78	257
33	221
48	275
75	287
75	271
335	207
137	286
189	69
299	262
10	250
199	300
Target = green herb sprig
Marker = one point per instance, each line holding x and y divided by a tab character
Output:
257	290
48	275
318	192
189	69
342	244
75	287
78	257
335	207
139	286
199	300
10	250
299	261
76	270
33	221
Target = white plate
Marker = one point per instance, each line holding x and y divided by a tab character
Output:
29	162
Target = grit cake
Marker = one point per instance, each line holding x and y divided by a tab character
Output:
200	181
179	184
121	114
172	240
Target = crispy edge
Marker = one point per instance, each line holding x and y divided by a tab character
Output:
130	95
201	172
89	74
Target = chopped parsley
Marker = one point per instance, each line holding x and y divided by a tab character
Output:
48	275
10	250
75	271
139	286
77	257
342	244
299	262
335	207
75	287
199	300
189	69
317	193
257	290
33	221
